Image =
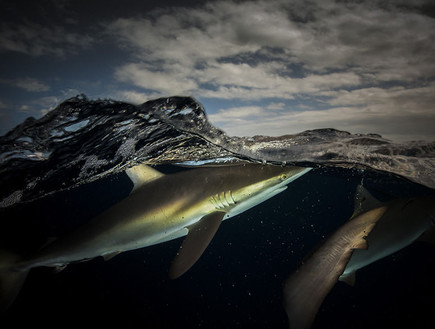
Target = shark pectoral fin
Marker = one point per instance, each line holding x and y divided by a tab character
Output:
196	241
348	278
142	174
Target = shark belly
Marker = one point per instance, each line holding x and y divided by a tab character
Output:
399	228
377	249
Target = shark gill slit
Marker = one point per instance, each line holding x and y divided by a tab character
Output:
222	200
213	202
229	198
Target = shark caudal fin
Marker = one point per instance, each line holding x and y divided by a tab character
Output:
11	280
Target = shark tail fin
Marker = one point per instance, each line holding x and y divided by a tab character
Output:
11	279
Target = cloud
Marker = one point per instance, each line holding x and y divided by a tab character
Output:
277	65
134	97
28	84
173	80
236	115
395	100
275	106
2	105
397	113
46	104
231	81
358	66
203	44
35	39
39	106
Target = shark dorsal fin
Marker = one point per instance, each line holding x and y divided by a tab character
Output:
142	174
364	201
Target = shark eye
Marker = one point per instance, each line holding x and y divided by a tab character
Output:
283	176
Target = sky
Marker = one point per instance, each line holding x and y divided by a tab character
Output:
260	67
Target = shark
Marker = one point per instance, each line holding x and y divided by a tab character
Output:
406	221
160	207
375	230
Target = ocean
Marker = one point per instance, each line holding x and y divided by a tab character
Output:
60	171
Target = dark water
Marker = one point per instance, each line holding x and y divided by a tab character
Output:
73	171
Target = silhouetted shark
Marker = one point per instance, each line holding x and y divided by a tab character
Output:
375	230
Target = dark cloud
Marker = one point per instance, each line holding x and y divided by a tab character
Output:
28	84
37	40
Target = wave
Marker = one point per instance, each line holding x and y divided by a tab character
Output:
82	140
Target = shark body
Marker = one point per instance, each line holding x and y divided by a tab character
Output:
160	208
405	221
306	288
374	231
